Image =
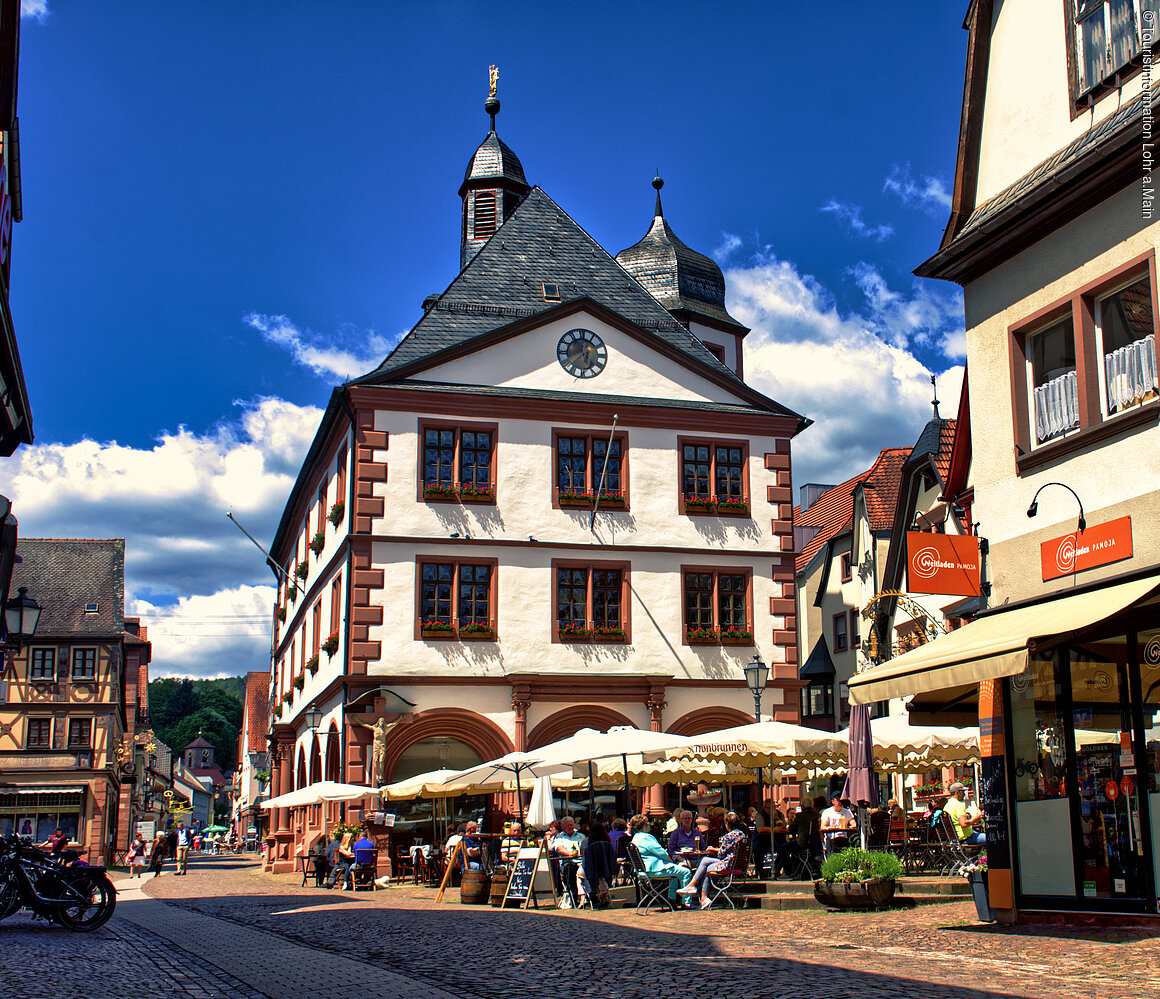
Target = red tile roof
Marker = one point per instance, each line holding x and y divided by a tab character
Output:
257	710
946	443
833	511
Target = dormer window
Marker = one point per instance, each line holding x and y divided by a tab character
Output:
91	608
1109	36
551	292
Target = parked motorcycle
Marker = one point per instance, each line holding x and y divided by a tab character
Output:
77	896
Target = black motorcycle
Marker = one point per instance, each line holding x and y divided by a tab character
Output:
55	888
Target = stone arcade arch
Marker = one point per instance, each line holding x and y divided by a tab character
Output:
569	721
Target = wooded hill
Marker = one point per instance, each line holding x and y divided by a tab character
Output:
179	709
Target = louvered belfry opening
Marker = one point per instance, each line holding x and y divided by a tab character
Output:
485	223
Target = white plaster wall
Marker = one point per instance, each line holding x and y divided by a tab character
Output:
525	619
1025	112
529	361
329	667
525	475
725	341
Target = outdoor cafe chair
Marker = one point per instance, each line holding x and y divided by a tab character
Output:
404	863
955	854
727	884
651	889
362	871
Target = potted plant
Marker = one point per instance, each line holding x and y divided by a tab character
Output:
976	875
288	697
612	499
303	570
476	494
581	498
734	635
436	491
263	776
732	505
336	512
695	503
331	644
476	631
701	636
280	613
858	879
318	542
437	628
277	710
312	664
300	681
609	633
292	591
574	631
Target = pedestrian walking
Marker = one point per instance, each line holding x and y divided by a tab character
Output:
182	848
136	855
157	857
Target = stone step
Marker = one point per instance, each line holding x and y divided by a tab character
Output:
809	902
906	886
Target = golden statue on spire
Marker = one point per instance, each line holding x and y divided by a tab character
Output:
492	79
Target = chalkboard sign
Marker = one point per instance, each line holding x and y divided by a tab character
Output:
993	799
531	873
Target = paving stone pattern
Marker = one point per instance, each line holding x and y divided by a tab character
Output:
936	952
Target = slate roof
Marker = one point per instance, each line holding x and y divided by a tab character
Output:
494	160
936	441
199	743
503	282
257	710
819	664
65	574
833	511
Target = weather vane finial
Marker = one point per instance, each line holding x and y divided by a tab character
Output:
492	79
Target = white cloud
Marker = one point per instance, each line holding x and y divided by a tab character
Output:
928	194
854	375
169	502
326	360
930	316
37	9
851	215
729	244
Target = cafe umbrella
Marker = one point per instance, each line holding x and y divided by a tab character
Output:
513	766
861	782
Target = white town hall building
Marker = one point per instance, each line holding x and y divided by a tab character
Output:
556	504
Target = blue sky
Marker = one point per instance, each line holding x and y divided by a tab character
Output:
228	208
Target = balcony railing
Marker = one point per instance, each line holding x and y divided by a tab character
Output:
1130	373
1056	407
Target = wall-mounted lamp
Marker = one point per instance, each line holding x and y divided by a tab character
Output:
1033	509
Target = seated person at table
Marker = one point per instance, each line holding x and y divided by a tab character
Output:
655	857
343	857
895	810
319	862
721	858
568	845
618	837
363	848
801	837
471	851
685	839
509	846
963	818
598	869
836	823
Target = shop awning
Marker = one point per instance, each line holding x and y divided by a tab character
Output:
993	646
54	789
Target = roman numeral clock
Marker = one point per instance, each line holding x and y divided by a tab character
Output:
581	353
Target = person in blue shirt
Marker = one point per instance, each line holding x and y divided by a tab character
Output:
656	858
685	839
471	852
363	848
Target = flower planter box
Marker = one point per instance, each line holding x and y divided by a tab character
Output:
444	494
692	638
476	633
330	646
876	893
303	570
732	509
442	632
577	501
576	635
612	501
739	638
312	664
978	882
474	494
611	637
700	506
336	512
281	614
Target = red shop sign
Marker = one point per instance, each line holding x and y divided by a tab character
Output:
1126	785
942	563
1100	544
1111	790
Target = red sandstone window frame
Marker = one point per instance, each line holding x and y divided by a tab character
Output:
1094	426
716	571
591	462
593	565
335	603
492	597
458	427
713	443
854	631
847	563
316	626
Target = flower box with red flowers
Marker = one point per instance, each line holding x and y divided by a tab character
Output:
318	542
736	636
732	506
277	710
435	628
312	664
574	632
612	501
336	512
700	504
303	570
476	631
292	592
702	636
330	646
300	681
280	613
434	491
288	697
575	498
609	633
476	494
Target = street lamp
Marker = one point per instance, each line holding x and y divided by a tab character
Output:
756	676
21	614
313	717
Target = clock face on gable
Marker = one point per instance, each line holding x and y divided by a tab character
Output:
581	353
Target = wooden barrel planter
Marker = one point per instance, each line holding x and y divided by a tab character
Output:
876	893
474	888
499	884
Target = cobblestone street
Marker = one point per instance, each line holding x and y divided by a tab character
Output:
230	931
